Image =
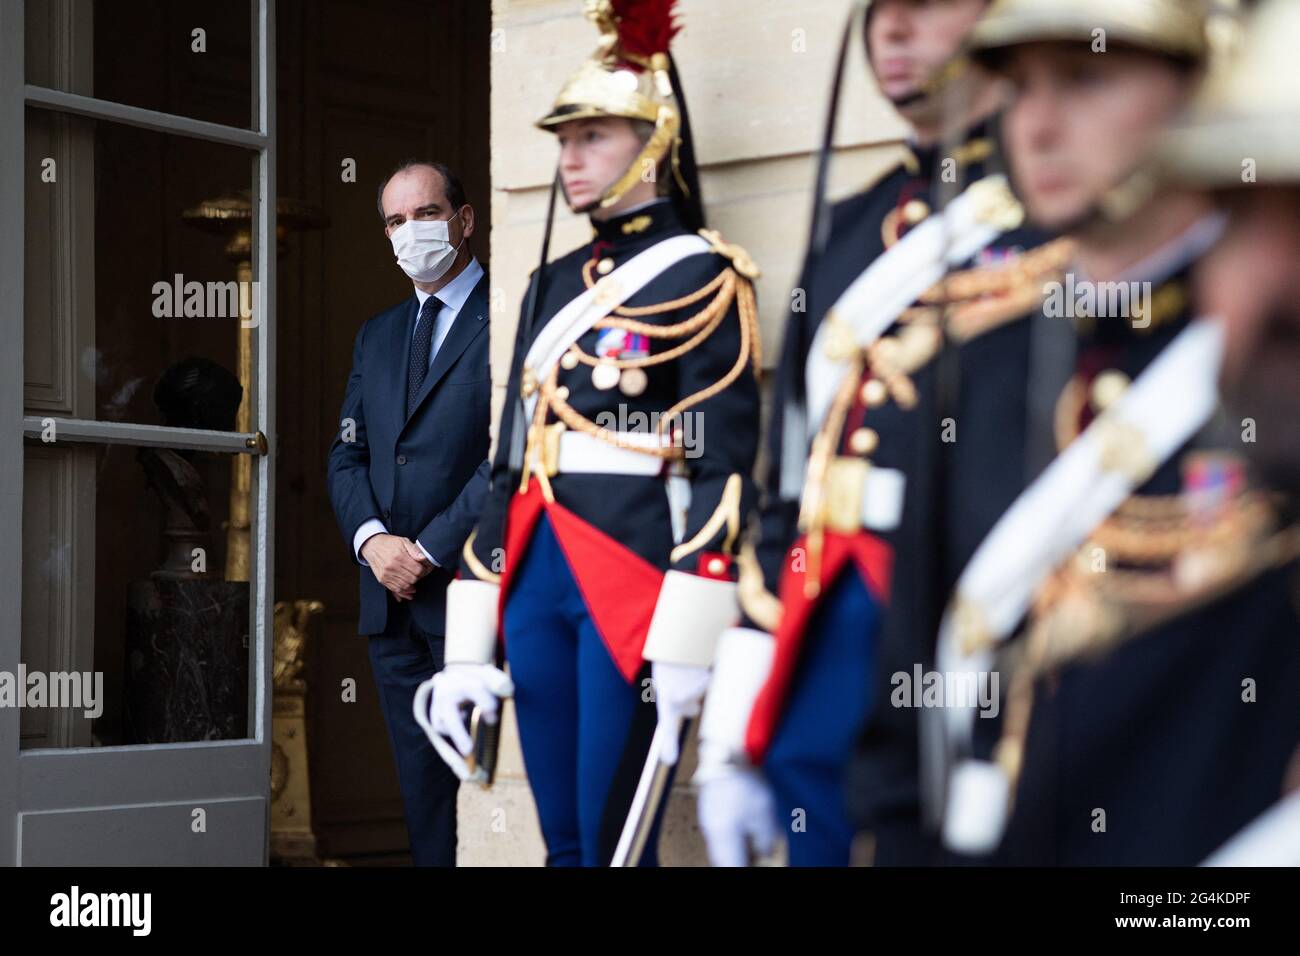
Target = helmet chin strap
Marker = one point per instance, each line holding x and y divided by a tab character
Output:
1117	205
909	99
585	207
589	207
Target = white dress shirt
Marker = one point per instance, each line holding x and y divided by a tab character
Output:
452	296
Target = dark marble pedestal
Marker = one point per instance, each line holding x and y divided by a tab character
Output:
186	661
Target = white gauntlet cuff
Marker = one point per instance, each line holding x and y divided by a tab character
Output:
692	611
471	622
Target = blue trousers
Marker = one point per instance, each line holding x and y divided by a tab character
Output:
402	658
828	703
584	730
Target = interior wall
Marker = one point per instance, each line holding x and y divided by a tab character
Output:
377	81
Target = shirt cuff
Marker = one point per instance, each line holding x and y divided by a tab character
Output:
369	528
432	559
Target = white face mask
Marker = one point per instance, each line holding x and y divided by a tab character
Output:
423	248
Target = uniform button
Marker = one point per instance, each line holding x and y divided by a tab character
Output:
874	393
1107	389
864	441
605	375
605	266
401	459
716	566
385	515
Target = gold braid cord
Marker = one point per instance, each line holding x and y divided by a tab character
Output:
976	301
726	514
480	570
812	509
763	607
726	287
985	297
1079	616
970	302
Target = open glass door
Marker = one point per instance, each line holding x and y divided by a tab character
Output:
136	621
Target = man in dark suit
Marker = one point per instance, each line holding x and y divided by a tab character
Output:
408	471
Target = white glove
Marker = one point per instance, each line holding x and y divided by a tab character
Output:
437	708
679	690
735	810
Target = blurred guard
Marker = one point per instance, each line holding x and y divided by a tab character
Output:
622	474
1243	142
853	403
1138	600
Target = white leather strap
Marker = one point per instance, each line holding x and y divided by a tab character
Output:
896	279
679	505
882	498
575	319
1272	839
1163	409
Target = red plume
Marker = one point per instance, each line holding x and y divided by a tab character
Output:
645	27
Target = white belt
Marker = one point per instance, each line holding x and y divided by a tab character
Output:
580	452
858	495
882	499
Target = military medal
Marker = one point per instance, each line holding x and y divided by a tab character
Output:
633	381
616	345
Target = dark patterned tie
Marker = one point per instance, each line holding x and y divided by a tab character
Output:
418	367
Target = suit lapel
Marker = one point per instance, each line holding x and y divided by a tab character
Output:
400	344
469	322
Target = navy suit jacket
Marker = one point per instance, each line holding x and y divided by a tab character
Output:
424	475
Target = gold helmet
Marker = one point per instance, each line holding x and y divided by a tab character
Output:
1196	32
1173	27
1245	125
629	75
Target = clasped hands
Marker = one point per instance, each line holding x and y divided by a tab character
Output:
397	563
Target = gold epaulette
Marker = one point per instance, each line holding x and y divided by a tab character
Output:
740	259
973	151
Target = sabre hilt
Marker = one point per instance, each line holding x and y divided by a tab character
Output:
482	759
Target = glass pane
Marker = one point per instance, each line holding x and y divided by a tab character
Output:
187	57
138	285
137	269
135	605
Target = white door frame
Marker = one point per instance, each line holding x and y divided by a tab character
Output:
135	804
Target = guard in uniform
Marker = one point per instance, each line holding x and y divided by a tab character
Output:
622	474
1234	145
853	401
1137	601
1231	145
